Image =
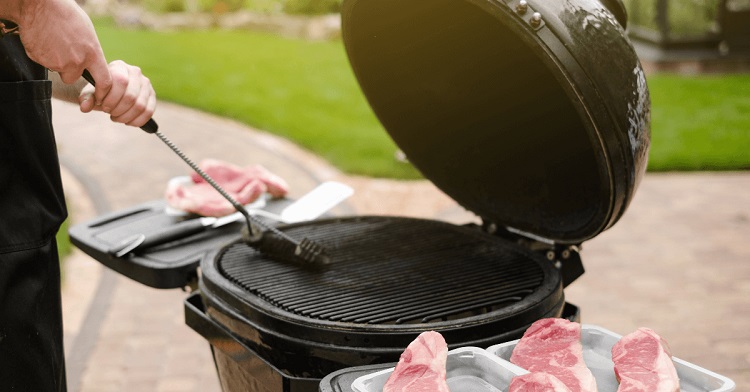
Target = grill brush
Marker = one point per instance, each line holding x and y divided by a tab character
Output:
305	250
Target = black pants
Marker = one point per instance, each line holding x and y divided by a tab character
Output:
31	326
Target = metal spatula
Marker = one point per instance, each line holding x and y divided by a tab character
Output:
305	250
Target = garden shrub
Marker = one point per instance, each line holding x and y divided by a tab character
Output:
163	6
221	6
312	7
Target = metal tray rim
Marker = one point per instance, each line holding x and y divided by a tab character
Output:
684	368
365	383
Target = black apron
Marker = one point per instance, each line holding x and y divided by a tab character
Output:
32	207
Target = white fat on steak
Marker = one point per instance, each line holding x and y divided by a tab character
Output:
537	382
421	367
553	346
244	184
643	363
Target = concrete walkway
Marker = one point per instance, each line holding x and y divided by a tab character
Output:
678	262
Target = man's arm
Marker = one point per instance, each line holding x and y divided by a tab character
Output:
60	36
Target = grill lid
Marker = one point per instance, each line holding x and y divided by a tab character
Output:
538	124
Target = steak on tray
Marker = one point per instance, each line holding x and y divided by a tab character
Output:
537	382
244	184
643	363
553	345
421	367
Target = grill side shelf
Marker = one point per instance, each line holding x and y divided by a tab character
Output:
170	265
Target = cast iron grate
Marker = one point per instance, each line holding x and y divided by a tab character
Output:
388	270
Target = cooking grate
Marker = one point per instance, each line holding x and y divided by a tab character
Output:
388	270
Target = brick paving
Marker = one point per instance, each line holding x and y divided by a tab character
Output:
678	261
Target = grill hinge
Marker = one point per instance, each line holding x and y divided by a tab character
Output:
566	258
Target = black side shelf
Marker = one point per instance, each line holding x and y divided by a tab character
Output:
166	266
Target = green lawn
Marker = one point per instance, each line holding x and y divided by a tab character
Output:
700	123
63	245
305	91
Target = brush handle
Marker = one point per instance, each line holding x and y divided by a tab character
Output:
149	127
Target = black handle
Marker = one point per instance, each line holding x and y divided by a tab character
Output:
178	231
150	126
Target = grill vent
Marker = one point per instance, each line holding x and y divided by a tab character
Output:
389	270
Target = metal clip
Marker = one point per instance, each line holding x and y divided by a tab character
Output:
522	7
5	30
526	13
536	20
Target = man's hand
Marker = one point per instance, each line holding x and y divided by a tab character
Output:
60	36
131	100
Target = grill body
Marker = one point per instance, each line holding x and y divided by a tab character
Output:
390	279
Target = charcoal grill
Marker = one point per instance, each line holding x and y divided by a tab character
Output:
390	278
534	115
393	271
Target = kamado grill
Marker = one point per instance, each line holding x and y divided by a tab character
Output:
390	279
534	115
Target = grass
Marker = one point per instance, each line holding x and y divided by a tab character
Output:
700	122
63	244
306	92
64	247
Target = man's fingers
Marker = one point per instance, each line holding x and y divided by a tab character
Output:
131	98
69	77
138	108
121	95
99	70
146	114
86	99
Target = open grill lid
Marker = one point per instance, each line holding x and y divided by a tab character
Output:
535	117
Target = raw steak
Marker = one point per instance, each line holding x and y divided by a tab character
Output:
421	367
553	346
245	185
236	177
643	363
537	382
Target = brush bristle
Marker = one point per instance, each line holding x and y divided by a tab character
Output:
312	252
306	252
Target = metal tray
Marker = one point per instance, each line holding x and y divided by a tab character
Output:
469	369
597	353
